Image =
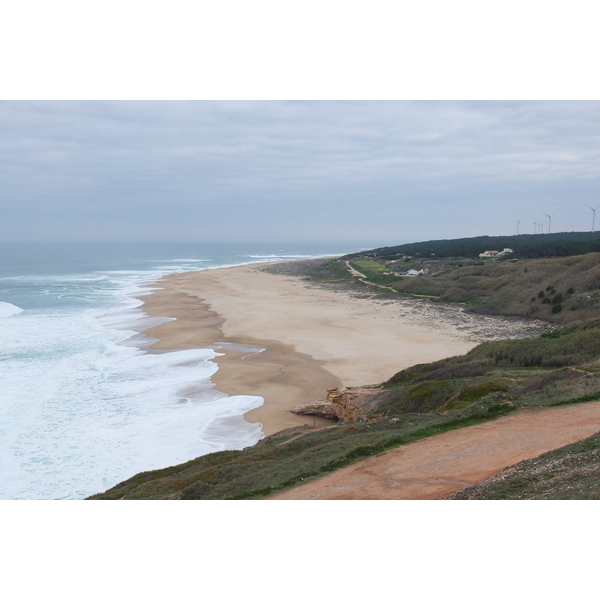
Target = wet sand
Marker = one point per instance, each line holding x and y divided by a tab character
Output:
312	339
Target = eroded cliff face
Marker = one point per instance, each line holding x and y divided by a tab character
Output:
347	405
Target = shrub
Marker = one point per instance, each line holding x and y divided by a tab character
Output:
422	397
557	299
571	349
541	294
556	308
454	294
547	380
570	291
472	369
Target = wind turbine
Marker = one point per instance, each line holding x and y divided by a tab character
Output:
518	223
593	215
550	219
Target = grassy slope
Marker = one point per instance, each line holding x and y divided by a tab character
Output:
561	290
511	285
525	246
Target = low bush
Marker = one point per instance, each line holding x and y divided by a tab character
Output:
566	350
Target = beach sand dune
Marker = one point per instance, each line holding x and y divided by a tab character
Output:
312	339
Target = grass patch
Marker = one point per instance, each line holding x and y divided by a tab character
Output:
472	393
369	266
579	400
475	302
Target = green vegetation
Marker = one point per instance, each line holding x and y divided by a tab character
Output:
331	270
563	290
368	266
472	393
374	272
571	348
537	288
525	372
524	246
580	400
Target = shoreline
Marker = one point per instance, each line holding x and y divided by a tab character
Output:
310	339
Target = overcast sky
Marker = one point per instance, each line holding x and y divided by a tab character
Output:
366	172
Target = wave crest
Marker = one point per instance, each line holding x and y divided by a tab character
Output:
9	310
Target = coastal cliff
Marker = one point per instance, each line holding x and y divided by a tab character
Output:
346	406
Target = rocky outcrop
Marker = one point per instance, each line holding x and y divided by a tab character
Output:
342	405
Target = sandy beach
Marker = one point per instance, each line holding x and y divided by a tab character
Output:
310	339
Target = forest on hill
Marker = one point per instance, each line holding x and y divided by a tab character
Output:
523	246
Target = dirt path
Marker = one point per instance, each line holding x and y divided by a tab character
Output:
438	466
362	277
353	271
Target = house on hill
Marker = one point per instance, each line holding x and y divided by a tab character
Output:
490	253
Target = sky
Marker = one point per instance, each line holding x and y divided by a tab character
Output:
364	171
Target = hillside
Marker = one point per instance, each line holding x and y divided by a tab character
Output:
524	246
562	290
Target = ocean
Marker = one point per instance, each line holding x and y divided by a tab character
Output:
84	404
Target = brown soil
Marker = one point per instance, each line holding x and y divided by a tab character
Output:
435	467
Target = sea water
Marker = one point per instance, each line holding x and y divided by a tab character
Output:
83	403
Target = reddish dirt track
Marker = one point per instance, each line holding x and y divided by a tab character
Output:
435	467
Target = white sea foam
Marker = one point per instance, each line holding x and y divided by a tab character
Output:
186	260
279	256
9	310
83	406
83	410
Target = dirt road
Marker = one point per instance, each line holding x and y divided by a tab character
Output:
435	467
362	277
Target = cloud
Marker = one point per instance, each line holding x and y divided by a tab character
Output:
268	167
